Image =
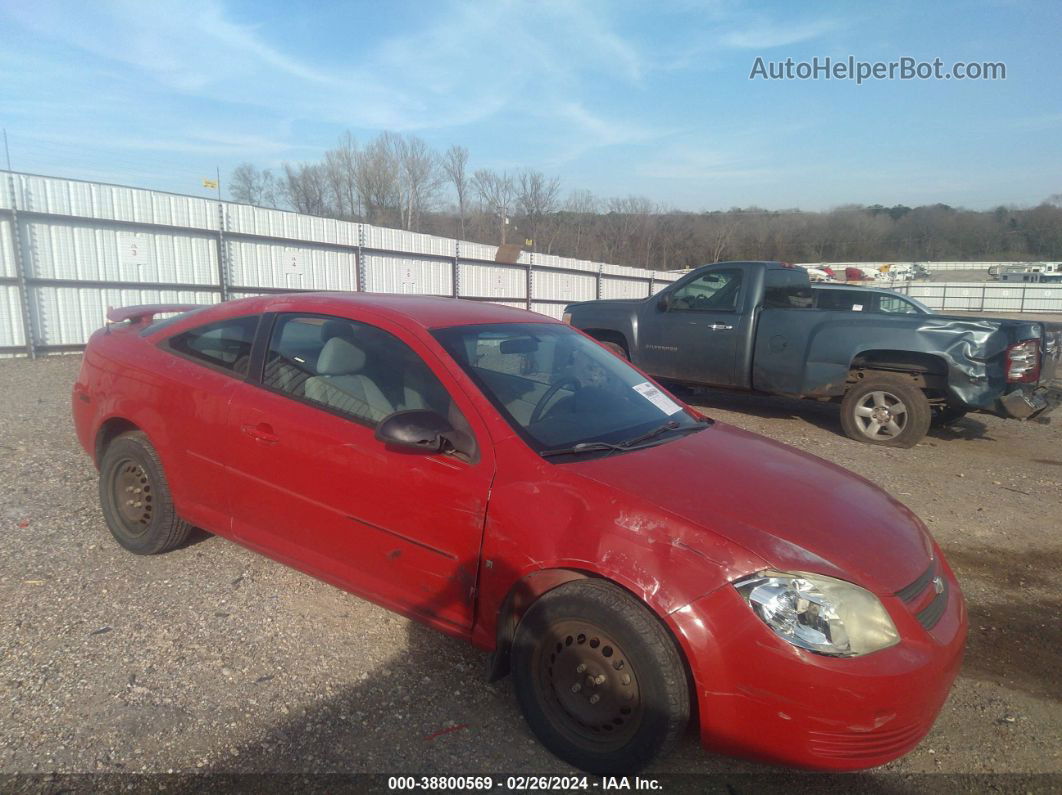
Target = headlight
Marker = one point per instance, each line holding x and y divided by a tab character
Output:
819	613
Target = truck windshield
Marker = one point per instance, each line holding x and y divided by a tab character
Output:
558	389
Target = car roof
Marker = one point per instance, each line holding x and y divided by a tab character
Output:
427	311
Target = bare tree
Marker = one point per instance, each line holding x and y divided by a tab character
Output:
579	214
251	186
395	180
455	165
419	177
376	171
537	198
306	188
341	173
497	193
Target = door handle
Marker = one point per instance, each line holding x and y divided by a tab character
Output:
262	432
719	327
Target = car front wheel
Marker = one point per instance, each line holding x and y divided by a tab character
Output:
599	679
136	499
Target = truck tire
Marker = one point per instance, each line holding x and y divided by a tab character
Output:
886	409
616	348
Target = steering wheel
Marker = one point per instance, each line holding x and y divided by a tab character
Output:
555	387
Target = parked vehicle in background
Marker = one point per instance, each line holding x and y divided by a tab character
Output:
1032	277
754	326
847	298
1028	272
501	477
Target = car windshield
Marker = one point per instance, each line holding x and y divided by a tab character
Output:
558	388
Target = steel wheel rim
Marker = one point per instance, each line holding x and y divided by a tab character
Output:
133	496
588	686
881	415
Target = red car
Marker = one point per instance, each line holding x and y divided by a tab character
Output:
501	477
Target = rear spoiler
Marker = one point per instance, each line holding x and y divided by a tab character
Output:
145	312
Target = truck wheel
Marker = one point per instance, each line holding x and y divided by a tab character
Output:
887	410
136	499
617	349
598	678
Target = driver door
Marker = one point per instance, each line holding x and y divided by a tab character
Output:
696	337
312	486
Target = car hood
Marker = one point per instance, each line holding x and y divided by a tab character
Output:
795	511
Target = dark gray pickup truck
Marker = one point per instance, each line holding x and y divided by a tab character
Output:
752	326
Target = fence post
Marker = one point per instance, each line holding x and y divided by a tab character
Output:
600	268
455	289
530	283
983	288
20	273
223	254
359	260
1021	308
652	282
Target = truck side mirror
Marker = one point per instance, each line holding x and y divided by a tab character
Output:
663	302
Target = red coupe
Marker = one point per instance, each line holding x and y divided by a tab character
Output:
500	476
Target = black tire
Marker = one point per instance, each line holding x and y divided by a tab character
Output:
144	521
616	348
944	416
630	664
886	409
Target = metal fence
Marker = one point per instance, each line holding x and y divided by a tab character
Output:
69	249
929	265
984	297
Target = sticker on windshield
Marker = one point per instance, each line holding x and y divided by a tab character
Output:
657	398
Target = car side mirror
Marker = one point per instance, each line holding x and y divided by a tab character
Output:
663	303
417	429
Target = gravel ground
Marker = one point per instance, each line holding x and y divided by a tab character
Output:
212	658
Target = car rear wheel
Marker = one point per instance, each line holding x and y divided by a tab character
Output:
136	499
599	679
886	410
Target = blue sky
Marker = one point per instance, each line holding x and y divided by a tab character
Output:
616	97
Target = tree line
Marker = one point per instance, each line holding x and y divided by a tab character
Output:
400	181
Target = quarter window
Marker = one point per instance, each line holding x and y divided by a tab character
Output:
225	345
786	289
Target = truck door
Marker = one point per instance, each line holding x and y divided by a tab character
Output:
695	332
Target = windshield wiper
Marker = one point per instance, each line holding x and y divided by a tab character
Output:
630	444
583	447
670	425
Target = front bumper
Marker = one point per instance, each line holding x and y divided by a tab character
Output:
1036	403
762	698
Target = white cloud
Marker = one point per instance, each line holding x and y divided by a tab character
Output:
766	34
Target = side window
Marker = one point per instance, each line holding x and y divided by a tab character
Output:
352	368
839	300
895	306
716	291
786	289
225	345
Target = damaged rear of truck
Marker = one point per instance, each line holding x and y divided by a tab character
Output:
751	326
